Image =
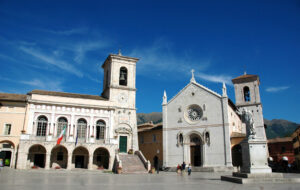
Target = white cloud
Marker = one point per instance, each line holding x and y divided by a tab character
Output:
67	32
277	89
55	62
82	48
215	78
47	84
159	59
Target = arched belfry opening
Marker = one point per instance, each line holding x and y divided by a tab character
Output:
246	91
196	150
123	76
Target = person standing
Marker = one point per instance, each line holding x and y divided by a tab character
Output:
183	168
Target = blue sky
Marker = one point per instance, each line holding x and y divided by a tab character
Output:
61	45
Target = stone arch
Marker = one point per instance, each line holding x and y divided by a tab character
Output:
59	157
9	142
123	76
7	151
246	93
61	122
100	129
82	128
42	125
186	138
62	115
80	157
125	137
41	114
194	142
101	158
37	155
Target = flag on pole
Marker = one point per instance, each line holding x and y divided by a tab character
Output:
76	138
61	136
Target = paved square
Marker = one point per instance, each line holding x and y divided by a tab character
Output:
83	179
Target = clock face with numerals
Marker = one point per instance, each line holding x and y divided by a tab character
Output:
122	98
194	113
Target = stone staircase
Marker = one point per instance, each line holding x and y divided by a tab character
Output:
131	164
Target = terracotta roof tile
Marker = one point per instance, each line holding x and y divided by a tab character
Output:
66	94
13	97
284	139
245	78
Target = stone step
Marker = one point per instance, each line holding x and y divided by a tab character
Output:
242	180
132	164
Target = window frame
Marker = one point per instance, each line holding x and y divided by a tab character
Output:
61	125
5	129
81	129
42	125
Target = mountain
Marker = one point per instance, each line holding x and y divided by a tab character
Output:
155	117
279	128
275	127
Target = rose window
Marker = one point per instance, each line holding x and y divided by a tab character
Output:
194	113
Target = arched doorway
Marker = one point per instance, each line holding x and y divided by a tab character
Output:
7	152
236	153
59	157
196	150
101	158
80	157
37	155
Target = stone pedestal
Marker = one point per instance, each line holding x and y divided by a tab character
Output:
255	156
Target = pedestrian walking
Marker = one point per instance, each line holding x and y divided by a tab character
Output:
189	169
178	169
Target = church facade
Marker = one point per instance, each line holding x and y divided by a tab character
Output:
198	123
94	128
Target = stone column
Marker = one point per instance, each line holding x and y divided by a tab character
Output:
164	130
226	132
47	164
90	165
69	165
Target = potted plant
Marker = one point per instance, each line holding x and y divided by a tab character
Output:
152	170
34	167
130	151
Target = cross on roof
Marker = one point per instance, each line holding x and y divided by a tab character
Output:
193	77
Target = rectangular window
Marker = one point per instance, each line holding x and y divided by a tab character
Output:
7	129
154	138
142	139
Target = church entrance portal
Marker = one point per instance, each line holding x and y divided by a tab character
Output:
123	144
195	147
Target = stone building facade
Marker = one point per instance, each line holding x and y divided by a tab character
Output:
296	146
12	116
200	125
151	143
96	127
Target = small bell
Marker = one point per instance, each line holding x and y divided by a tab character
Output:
122	76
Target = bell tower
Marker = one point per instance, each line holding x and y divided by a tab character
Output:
247	96
119	79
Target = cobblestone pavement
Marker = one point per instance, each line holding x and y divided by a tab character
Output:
83	179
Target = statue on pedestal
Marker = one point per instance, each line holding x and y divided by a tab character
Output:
247	118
